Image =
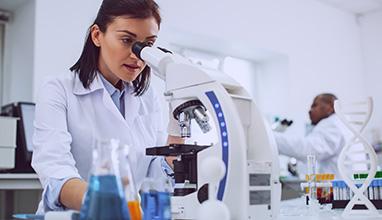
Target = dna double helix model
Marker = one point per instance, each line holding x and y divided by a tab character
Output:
358	155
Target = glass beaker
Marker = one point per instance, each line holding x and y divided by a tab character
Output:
156	203
105	198
128	183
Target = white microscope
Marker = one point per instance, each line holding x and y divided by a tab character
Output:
250	187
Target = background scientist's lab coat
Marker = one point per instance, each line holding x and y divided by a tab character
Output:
325	141
69	119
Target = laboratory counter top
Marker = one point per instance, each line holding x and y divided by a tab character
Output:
295	209
19	181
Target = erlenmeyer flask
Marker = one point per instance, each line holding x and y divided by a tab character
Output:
131	193
105	198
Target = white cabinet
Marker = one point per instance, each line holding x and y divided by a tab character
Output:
8	127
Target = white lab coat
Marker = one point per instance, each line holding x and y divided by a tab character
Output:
69	119
326	141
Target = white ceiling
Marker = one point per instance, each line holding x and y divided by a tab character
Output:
353	6
356	6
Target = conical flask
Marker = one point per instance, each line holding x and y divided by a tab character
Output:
105	197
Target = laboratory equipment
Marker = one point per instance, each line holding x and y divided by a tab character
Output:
250	187
62	215
24	111
128	183
28	216
7	142
105	198
292	166
213	169
312	169
342	193
53	215
355	116
281	125
156	202
324	189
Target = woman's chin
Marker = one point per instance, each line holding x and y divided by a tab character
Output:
129	76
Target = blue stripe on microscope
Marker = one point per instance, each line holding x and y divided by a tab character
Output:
224	139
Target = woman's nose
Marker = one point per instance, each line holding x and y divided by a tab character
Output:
132	55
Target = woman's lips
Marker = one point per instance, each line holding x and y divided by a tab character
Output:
131	67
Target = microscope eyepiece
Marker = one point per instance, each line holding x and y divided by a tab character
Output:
138	47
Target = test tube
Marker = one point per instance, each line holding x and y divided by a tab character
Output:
347	192
341	190
375	189
370	190
351	194
335	190
311	159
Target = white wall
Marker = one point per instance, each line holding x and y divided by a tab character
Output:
371	32
18	56
61	28
321	43
2	33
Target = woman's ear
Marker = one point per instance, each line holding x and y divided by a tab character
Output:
95	34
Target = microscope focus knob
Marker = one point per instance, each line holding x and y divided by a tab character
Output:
213	169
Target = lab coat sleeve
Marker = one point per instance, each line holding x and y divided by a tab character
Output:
158	167
52	159
51	193
324	142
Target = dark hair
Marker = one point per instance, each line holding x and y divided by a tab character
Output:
87	64
328	98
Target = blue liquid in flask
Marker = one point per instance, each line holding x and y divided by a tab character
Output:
104	200
156	205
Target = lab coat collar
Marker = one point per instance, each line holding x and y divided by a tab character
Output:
79	89
133	104
111	89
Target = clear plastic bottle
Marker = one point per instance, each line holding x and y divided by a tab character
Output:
105	198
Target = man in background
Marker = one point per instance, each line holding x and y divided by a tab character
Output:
326	139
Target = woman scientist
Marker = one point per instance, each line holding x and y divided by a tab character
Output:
106	95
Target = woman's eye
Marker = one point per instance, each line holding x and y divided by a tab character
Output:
127	41
150	43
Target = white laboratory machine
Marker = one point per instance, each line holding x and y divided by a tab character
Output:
8	127
250	187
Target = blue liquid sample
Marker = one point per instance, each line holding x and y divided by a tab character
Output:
104	200
156	205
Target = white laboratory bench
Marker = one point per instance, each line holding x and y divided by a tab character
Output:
19	181
19	193
295	209
21	186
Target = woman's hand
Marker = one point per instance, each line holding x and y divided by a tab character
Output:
173	140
